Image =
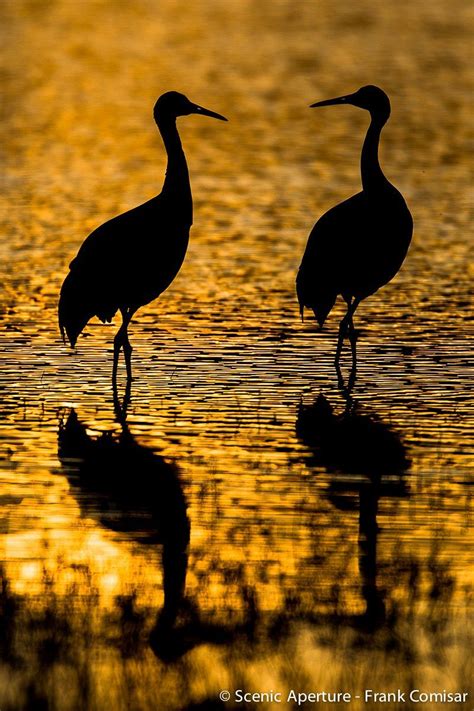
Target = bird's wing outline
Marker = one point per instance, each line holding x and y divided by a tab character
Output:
330	236
107	242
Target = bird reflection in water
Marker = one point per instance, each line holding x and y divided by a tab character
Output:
363	456
130	489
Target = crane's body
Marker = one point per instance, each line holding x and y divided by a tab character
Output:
125	263
131	259
359	245
355	262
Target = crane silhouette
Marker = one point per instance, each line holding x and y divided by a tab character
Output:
359	245
132	258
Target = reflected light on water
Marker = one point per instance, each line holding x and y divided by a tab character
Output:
311	564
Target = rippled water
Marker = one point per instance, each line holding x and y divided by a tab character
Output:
311	564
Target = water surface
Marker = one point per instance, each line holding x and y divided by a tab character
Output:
306	568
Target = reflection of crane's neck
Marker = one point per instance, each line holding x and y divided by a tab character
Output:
176	188
372	175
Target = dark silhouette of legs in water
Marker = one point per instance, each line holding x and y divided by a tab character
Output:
121	342
346	328
369	495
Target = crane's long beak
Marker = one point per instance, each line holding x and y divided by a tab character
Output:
330	102
206	112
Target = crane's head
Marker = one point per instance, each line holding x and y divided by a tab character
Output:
368	97
173	104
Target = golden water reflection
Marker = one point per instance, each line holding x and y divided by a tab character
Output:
311	564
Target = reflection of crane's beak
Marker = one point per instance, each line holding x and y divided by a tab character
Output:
205	112
330	102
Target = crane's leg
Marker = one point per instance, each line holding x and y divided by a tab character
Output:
343	327
121	341
353	335
340	340
117	347
127	348
346	326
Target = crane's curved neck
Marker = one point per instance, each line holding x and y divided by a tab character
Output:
176	188
371	172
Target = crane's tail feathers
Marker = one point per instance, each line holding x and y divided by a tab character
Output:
74	310
315	296
321	305
320	318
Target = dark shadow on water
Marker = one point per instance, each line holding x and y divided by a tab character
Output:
364	457
130	489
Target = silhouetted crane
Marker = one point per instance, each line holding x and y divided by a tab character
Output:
359	245
131	259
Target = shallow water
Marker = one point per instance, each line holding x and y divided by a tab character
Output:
309	567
